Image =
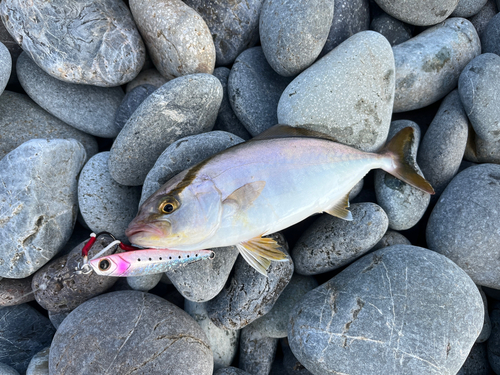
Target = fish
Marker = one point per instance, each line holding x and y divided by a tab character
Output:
263	186
146	261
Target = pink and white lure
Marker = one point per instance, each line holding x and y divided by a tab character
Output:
146	262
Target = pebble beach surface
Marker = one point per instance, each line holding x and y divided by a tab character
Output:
102	102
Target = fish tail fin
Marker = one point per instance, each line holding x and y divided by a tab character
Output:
402	166
259	252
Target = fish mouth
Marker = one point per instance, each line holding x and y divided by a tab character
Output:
144	229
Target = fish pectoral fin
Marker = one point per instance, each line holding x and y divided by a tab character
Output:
339	209
244	196
259	252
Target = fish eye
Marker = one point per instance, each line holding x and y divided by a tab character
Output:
104	264
168	205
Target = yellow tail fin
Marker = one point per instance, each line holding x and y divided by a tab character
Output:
398	149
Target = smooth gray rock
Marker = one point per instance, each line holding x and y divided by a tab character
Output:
361	72
249	295
468	8
131	102
87	108
38	203
76	42
224	342
443	146
483	17
256	351
178	39
14	49
184	106
463	224
274	324
394	30
331	242
133	330
254	90
24	332
428	65
230	371
477	362
291	364
293	33
478	84
391	238
419	13
59	289
234	25
21	119
183	154
493	344
39	364
349	18
16	291
147	77
376	316
5	66
486	331
56	318
226	119
7	370
144	283
404	204
105	204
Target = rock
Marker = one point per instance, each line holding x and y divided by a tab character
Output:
5	66
391	238
57	318
493	343
38	203
361	72
226	119
254	90
183	154
21	119
147	77
184	106
234	25
477	362
224	342
274	323
394	30
468	8
155	337
144	283
330	242
293	33
428	65
130	102
404	204
463	225
256	351
178	39
486	331
230	371
419	13
39	364
373	317
7	370
477	86
15	291
73	42
14	50
25	332
105	204
248	294
481	19
443	146
291	364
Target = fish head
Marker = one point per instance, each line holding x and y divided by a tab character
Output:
177	217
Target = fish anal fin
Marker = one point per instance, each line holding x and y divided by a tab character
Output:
339	209
287	131
244	196
259	252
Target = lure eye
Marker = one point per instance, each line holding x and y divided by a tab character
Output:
104	264
169	205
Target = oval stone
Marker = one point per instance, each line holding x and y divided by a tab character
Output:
38	203
463	225
489	40
178	39
361	72
377	315
467	8
76	42
155	337
482	18
39	364
131	102
15	291
149	77
420	13
5	67
428	65
394	30
184	106
256	351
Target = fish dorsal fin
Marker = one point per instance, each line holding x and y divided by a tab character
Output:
259	252
287	131
339	209
244	196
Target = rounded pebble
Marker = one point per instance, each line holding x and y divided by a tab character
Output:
5	67
39	203
14	49
394	30
391	238
361	72
7	370
256	351
73	42
330	242
291	364
147	77
105	204
419	13
39	364
373	317
144	283
428	65
15	291
178	39
131	102
462	225
254	90
56	318
230	371
467	8
483	17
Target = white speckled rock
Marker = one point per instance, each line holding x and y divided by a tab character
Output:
421	13
428	65
178	39
361	72
5	67
38	203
